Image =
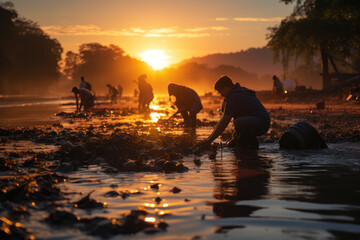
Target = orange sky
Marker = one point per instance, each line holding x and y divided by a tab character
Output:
182	29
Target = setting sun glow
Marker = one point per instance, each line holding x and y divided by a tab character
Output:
157	59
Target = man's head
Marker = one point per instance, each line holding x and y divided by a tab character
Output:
224	85
142	78
75	90
171	88
82	78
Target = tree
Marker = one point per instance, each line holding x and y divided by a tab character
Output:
29	58
325	28
103	65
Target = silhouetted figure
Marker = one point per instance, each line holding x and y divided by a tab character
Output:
120	91
187	102
278	88
85	84
87	98
146	94
113	93
251	119
136	93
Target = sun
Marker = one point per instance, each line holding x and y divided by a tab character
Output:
157	59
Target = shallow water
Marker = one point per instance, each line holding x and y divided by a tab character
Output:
265	194
270	194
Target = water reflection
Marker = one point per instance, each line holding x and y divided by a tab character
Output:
244	177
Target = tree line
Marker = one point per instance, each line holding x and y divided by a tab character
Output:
317	29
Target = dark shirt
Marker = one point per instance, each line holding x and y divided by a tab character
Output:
243	102
185	97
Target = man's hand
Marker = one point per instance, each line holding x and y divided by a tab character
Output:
201	146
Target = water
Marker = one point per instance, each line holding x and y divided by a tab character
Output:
265	194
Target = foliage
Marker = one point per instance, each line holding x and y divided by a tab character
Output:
29	58
101	65
330	26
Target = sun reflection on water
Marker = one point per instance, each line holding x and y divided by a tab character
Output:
150	219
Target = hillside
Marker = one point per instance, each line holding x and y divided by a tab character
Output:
255	60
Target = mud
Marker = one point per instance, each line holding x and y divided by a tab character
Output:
30	179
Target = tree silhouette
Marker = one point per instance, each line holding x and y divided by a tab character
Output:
103	65
29	58
325	28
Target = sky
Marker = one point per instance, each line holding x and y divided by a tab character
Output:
180	29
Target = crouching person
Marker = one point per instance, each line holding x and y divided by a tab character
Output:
251	119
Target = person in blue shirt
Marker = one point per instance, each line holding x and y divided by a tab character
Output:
249	115
85	84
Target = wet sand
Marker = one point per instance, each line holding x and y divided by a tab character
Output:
270	193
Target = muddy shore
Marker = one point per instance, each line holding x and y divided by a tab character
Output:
31	178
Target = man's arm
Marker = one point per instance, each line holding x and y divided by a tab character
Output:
220	127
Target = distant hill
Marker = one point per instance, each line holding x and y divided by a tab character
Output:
255	60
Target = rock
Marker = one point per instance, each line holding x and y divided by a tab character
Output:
158	200
155	186
67	146
99	160
163	225
181	168
62	218
170	166
65	167
10	230
151	230
78	151
86	202
110	169
129	166
106	228
112	194
175	190
197	161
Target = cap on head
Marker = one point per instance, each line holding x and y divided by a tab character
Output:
224	81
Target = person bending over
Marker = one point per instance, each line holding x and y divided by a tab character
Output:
187	102
250	117
86	98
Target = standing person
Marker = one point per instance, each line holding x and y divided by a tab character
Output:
113	92
146	94
84	84
278	88
187	102
87	98
251	119
120	90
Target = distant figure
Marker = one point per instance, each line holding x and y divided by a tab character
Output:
85	84
187	102
278	88
251	119
146	94
136	93
113	93
120	91
87	98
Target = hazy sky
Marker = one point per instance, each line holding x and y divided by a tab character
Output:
183	28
